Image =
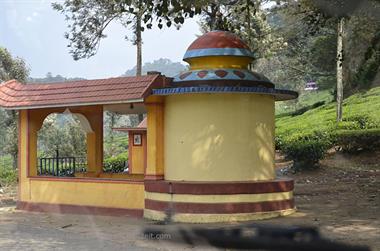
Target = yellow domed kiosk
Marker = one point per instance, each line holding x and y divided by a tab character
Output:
219	124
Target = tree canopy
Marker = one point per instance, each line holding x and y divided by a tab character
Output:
10	68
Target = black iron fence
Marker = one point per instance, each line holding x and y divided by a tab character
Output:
61	166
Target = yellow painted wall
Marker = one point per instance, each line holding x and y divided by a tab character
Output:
74	192
213	218
219	198
214	62
219	137
115	195
138	162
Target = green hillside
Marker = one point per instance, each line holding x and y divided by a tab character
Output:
360	111
305	138
305	99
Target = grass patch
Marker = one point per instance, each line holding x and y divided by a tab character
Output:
8	175
306	99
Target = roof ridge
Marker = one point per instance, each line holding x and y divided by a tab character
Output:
9	82
87	80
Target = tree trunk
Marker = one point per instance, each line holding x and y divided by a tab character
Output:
339	71
139	46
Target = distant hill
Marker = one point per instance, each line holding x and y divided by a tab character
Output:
163	65
51	79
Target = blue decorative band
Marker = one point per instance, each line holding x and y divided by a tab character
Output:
218	52
279	94
220	74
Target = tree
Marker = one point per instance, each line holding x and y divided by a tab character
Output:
110	121
321	14
339	11
88	19
248	20
64	133
10	68
339	70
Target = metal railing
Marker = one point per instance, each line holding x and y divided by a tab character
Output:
61	166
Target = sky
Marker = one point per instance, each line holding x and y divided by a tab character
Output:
32	30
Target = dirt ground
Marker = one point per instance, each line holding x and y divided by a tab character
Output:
341	198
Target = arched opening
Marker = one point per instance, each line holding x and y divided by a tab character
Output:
62	144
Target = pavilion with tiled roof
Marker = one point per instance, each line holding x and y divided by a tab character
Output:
205	153
87	100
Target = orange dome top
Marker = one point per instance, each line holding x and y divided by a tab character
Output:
218	43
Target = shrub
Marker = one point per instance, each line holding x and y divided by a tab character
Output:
359	121
8	175
353	141
115	164
306	150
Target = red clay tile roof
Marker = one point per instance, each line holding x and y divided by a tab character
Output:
15	95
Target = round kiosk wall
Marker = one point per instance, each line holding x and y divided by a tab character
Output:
219	137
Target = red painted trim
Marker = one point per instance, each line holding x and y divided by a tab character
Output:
101	138
129	129
27	144
76	209
204	188
152	177
130	151
219	208
145	144
19	155
88	180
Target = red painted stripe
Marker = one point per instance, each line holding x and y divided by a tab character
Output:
204	188
76	209
219	208
19	155
88	180
152	177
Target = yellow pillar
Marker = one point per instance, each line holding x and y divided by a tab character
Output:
95	140
155	137
23	188
35	120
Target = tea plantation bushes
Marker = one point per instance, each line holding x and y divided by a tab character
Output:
358	140
306	150
306	138
115	164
